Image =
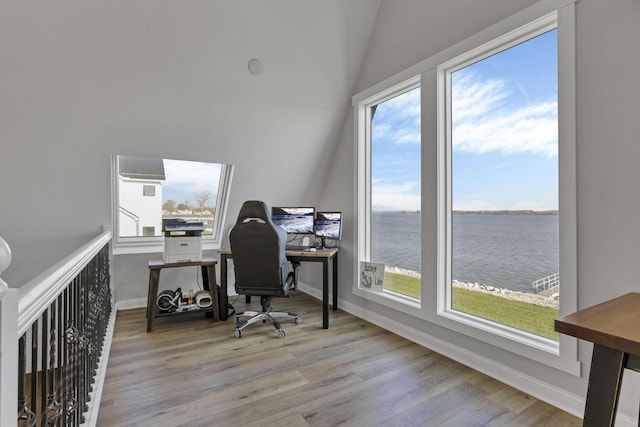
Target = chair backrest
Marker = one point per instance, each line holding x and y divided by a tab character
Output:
258	250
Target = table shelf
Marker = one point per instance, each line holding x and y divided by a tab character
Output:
207	266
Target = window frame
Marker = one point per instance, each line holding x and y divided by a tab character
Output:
151	189
148	244
562	355
363	182
444	71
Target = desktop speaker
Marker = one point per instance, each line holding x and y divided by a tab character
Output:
203	299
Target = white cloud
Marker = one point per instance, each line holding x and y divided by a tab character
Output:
406	136
407	104
191	178
483	123
399	119
396	197
381	130
472	98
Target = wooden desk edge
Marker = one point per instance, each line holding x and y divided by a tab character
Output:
588	324
323	253
158	263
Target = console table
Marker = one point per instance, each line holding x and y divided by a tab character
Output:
207	266
320	255
613	329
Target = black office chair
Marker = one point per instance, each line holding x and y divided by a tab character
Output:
260	264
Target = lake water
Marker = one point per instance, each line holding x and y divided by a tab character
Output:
507	251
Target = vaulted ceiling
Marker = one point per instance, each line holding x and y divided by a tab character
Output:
83	80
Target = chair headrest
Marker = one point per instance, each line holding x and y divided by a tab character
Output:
254	209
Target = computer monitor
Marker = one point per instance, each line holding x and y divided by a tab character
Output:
294	220
328	225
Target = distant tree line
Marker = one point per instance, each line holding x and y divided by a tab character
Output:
200	206
509	212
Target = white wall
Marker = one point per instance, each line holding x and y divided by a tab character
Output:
608	121
141	211
83	80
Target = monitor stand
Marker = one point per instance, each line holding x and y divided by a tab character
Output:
323	244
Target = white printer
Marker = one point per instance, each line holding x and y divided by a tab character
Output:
182	240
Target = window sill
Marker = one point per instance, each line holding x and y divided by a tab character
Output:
398	302
538	349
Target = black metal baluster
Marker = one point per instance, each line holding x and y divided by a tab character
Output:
64	374
76	350
101	318
44	321
26	417
72	339
34	367
82	310
60	357
92	307
53	409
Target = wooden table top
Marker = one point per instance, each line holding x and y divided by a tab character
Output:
614	324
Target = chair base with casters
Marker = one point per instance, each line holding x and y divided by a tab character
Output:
267	315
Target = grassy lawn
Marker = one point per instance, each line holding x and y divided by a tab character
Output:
402	284
517	314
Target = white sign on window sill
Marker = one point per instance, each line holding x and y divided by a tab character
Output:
371	276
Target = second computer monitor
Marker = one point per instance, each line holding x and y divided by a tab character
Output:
329	225
294	220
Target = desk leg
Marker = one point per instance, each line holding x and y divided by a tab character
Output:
335	282
325	294
223	288
605	378
154	279
209	283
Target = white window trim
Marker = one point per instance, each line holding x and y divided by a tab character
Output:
141	245
562	355
363	183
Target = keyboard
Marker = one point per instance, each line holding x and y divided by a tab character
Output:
296	248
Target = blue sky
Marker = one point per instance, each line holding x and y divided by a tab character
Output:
186	179
504	121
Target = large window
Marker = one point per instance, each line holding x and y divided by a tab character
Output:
148	190
395	189
491	129
503	189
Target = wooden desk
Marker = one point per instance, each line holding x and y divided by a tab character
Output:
208	268
321	255
614	329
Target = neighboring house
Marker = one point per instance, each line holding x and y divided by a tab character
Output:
140	190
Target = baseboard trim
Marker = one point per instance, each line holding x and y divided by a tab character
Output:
131	304
91	415
553	395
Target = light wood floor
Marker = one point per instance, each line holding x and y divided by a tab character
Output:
191	371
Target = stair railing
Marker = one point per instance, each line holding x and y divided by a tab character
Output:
52	333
